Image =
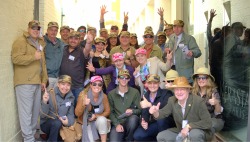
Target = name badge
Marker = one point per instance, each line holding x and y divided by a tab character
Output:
71	57
137	75
102	56
181	45
184	123
68	104
96	110
40	48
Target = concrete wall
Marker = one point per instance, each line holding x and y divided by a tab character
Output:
15	16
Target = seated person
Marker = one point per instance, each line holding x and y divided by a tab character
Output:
125	109
150	127
204	86
190	114
92	110
170	77
54	115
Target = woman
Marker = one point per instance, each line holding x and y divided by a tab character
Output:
113	70
133	40
112	41
170	77
92	110
51	118
99	59
150	66
205	87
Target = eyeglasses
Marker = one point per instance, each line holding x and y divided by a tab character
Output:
97	84
170	81
35	28
114	28
82	31
201	77
148	36
123	77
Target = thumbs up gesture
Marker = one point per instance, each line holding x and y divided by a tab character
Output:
144	103
86	100
213	101
153	109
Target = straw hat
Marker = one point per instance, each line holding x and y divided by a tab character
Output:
180	82
203	70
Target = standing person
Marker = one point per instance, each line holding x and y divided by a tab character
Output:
30	77
125	48
125	109
134	40
82	30
74	61
52	119
205	87
185	49
190	114
92	110
112	41
150	127
53	53
64	32
104	33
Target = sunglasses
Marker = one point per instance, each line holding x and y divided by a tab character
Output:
35	28
148	36
97	84
170	81
123	77
114	28
82	31
201	77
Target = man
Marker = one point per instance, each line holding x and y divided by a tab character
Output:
150	127
30	77
82	30
104	33
185	49
125	48
64	32
53	53
161	40
151	48
190	114
74	61
125	109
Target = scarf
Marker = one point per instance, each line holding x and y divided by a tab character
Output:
85	137
144	72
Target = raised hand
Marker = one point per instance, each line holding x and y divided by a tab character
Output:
190	53
125	17
144	124
169	55
90	38
212	13
103	10
129	112
145	103
38	55
90	67
45	96
160	11
153	109
213	101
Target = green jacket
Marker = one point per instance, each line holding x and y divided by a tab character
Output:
28	70
195	112
156	51
119	104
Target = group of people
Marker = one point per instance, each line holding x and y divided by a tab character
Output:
111	84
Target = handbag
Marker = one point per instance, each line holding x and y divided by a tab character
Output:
69	134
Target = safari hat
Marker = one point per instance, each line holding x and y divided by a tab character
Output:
168	26
180	82
133	35
91	28
171	75
203	70
64	79
103	30
148	28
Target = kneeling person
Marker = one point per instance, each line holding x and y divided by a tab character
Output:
150	127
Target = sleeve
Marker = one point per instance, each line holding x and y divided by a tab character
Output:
164	66
106	111
44	73
136	102
209	32
102	25
104	71
70	114
112	116
19	54
205	118
125	27
79	110
166	110
194	47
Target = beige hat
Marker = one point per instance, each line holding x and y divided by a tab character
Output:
53	24
180	82
123	72
74	34
64	27
103	30
91	28
100	39
64	79
113	34
133	35
34	23
171	75
178	23
203	70
161	33
149	32
168	26
153	78
125	33
149	28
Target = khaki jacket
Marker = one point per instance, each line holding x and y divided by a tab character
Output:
28	70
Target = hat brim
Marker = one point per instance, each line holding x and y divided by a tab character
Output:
180	86
194	75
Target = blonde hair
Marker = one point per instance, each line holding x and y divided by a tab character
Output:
210	87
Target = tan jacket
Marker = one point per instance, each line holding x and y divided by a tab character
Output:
28	70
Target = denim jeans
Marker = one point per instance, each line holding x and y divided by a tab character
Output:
52	128
76	93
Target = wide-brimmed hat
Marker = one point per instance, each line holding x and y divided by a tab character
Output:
64	79
238	25
180	82
171	75
103	30
203	70
153	78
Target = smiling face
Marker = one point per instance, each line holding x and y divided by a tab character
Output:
96	87
178	29
52	32
64	87
34	32
141	59
99	46
181	93
74	41
125	40
153	86
113	41
64	34
202	80
123	80
119	64
161	39
133	40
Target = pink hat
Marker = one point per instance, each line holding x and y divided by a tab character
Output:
95	78
141	51
117	56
